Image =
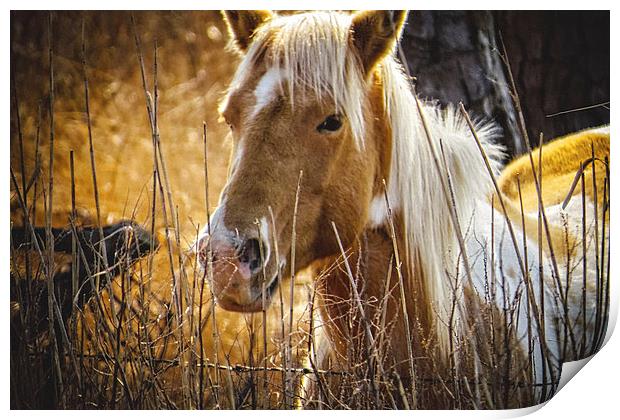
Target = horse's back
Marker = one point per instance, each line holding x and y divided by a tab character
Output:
575	238
561	160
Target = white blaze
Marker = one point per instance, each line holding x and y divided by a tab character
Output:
265	91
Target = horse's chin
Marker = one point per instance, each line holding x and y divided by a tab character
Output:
234	307
257	305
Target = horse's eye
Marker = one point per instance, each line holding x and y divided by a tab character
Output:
331	124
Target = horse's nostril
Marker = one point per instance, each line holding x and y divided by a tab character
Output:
254	265
251	255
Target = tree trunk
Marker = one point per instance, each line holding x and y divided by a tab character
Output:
560	61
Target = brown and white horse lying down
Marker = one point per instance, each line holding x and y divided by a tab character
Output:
336	166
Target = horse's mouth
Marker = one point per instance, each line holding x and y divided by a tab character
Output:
257	304
269	290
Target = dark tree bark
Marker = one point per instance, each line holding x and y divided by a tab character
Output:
560	61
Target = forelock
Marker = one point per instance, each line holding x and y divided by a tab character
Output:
312	56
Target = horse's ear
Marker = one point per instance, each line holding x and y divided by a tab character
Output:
243	23
374	33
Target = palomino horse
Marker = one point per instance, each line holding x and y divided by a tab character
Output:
338	167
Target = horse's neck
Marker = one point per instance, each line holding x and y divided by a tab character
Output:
377	294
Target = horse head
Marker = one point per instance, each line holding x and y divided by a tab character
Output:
310	146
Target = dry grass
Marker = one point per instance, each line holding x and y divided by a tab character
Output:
100	97
115	119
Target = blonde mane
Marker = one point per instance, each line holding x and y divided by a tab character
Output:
312	53
415	189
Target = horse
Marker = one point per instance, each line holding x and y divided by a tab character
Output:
577	231
421	251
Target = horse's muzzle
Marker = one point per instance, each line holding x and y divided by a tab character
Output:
237	274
